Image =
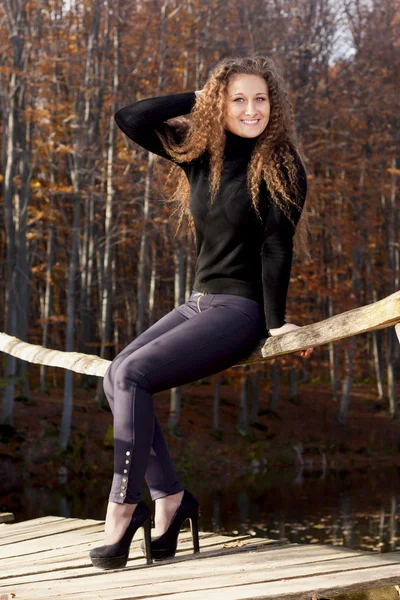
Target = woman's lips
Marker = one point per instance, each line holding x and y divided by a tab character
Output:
251	123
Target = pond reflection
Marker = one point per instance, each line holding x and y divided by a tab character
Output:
357	509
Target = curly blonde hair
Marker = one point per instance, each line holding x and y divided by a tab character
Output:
203	130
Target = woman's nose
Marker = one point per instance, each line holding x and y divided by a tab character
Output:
251	110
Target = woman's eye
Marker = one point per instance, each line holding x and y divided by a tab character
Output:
242	99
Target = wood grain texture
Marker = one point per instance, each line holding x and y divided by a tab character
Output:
53	563
6	517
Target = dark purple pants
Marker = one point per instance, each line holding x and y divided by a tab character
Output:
205	335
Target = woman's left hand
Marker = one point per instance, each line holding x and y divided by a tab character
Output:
291	327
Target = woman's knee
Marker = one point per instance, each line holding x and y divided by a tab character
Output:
128	374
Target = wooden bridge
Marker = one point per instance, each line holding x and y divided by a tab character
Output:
48	559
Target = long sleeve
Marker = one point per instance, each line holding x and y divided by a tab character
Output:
142	120
276	256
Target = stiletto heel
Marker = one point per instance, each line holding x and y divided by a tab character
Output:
147	541
194	527
115	556
165	545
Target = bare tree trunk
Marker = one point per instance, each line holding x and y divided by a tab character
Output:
106	328
129	317
179	262
51	249
293	383
10	303
243	422
376	339
188	277
333	355
87	311
216	519
21	203
116	333
44	387
92	110
174	408
347	522
391	378
347	383
75	162
381	526
141	280
393	257
141	276
274	394
153	278
217	397
358	257
16	25
393	522
70	331
255	395
179	287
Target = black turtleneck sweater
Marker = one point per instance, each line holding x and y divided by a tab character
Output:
235	253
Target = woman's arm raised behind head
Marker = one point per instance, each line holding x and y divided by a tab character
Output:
142	120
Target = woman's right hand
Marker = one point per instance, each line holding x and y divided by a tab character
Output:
291	327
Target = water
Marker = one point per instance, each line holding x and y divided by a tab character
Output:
357	509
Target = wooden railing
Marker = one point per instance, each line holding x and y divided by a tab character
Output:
381	314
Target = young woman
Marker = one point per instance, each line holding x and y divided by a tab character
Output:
242	185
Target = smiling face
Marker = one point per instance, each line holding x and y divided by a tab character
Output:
247	106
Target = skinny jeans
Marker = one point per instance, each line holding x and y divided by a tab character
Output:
206	335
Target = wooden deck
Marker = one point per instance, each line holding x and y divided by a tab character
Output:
47	558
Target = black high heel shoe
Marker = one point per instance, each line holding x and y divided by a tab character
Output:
115	556
164	546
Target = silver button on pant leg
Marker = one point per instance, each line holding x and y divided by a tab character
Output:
125	479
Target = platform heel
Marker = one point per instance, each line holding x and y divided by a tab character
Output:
165	545
115	556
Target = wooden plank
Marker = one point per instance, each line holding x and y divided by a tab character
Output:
377	315
68	550
45	536
35	525
61	567
77	547
65	536
6	517
217	580
81	551
284	589
216	543
34	530
56	566
50	537
33	353
6	528
210	571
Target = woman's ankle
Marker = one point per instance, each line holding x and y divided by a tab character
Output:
170	498
117	519
165	509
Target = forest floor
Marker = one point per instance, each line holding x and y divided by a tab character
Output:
370	437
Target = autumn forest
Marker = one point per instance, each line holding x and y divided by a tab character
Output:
88	252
